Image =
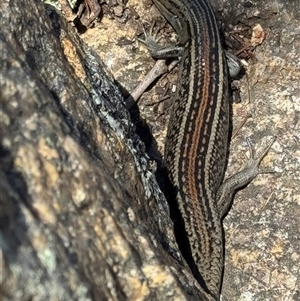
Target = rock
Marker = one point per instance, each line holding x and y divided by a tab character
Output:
82	216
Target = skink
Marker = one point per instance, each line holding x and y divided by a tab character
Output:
196	146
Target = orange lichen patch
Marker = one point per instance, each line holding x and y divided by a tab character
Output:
45	151
52	174
45	212
277	248
72	57
137	289
47	154
243	256
156	275
32	168
29	165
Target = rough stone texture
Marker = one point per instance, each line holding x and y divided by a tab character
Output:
262	227
75	221
82	216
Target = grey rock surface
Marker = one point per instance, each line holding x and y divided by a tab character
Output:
82	216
